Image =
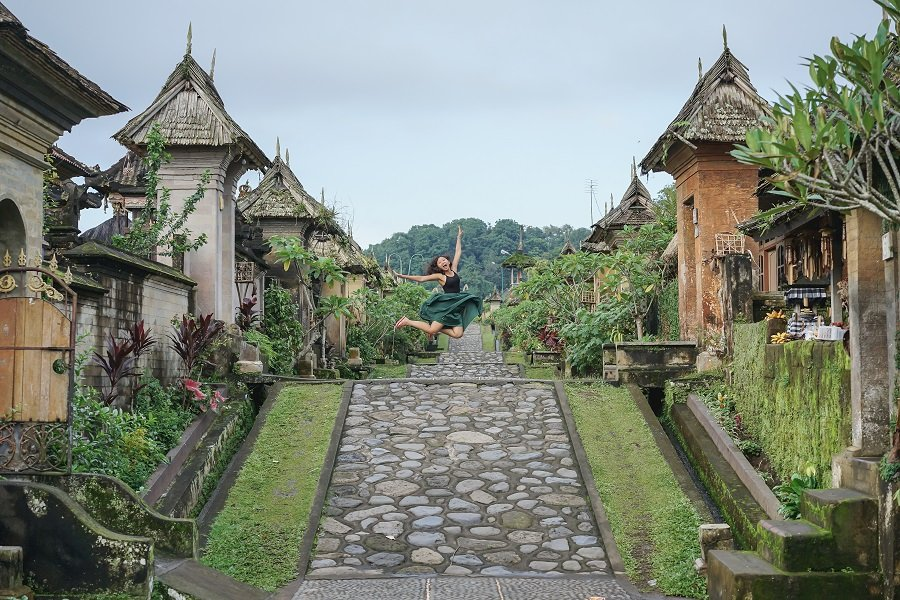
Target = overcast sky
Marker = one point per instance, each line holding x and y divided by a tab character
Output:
417	111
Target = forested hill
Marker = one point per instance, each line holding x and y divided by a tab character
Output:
482	243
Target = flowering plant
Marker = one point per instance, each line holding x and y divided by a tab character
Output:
201	396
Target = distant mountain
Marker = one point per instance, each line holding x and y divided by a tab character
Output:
480	265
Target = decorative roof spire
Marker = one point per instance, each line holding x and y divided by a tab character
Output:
699	68
277	147
610	205
187	50
212	66
287	157
724	37
521	238
633	167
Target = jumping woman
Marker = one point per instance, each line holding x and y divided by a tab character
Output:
450	312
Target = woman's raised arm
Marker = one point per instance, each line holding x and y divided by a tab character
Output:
458	252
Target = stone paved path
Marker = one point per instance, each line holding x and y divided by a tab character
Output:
461	478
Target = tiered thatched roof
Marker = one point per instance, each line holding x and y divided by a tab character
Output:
722	108
634	209
190	113
279	195
568	248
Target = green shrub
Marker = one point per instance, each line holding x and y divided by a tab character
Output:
281	324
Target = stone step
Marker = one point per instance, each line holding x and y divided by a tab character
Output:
736	575
852	519
796	545
200	582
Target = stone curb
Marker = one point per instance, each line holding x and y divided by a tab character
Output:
584	467
730	452
318	504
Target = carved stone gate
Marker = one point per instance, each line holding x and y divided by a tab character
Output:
37	350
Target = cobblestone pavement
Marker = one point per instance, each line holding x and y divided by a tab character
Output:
462	478
465	371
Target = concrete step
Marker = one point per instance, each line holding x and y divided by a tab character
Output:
852	518
796	545
200	582
746	576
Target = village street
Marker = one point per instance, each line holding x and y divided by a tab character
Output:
456	478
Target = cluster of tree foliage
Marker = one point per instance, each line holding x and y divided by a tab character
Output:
482	244
546	311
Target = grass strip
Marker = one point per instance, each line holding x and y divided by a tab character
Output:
487	338
543	372
653	522
387	372
256	538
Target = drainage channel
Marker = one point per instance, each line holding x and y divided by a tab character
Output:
655	397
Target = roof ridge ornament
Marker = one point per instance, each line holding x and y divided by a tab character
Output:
277	147
633	167
212	67
699	67
287	156
725	37
187	50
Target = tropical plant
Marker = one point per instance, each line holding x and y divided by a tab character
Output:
835	143
790	492
158	227
117	363
246	316
192	337
281	325
375	335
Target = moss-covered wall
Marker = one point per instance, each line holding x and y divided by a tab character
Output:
794	398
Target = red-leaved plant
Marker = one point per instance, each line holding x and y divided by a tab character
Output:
246	315
120	359
193	337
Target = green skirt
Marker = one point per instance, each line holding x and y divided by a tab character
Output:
451	310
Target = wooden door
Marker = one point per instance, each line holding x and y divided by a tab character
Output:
33	335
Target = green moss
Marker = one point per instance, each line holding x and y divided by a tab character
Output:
794	398
653	522
256	538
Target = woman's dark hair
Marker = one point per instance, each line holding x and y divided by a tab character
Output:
432	266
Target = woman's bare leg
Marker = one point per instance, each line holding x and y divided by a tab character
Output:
430	329
454	332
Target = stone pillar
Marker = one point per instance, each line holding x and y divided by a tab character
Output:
870	394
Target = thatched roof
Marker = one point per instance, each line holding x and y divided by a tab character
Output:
104	232
494	297
722	108
346	253
279	195
190	112
36	58
568	248
518	260
634	209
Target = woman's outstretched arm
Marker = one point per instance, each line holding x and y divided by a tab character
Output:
422	278
458	253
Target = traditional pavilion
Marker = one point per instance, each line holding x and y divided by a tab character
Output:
201	136
42	97
280	205
715	192
634	209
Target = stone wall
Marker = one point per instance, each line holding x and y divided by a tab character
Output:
130	297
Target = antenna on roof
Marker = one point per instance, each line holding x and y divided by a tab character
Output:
591	188
699	68
187	51
212	66
287	157
277	147
724	36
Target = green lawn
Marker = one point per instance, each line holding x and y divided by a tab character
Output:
387	372
653	522
256	538
487	338
541	372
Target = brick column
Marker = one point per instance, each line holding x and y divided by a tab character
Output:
869	377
